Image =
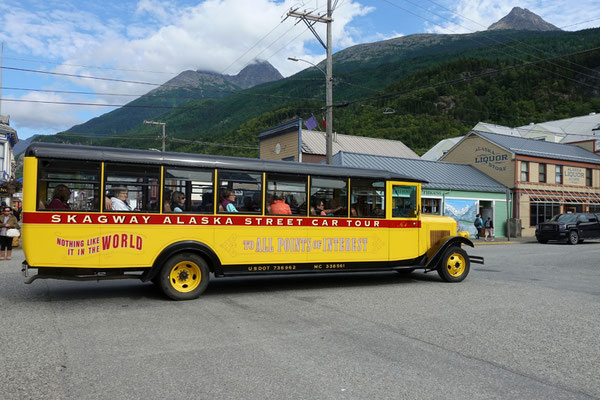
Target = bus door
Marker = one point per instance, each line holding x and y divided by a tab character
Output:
404	219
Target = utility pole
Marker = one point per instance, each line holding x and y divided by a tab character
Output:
164	136
310	20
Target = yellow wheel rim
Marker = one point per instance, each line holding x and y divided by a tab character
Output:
456	264
185	276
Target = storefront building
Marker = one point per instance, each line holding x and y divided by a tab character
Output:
455	190
290	141
545	178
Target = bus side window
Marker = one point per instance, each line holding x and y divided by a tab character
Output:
286	194
68	185
367	197
328	197
132	187
246	188
188	190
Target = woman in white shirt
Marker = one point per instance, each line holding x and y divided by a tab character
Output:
119	200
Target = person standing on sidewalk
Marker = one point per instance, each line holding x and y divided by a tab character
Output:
489	229
478	225
9	221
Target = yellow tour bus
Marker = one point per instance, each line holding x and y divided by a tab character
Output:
94	213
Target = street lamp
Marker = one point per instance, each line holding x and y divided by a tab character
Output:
328	106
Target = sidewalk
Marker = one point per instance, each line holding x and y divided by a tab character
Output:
504	240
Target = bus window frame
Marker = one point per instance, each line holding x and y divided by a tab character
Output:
418	188
188	184
97	184
385	193
217	186
306	191
139	211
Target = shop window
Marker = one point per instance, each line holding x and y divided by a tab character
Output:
595	208
69	185
188	190
329	197
286	194
540	212
542	175
367	198
240	189
588	177
559	176
431	206
524	171
131	188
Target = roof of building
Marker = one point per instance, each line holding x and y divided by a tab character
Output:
313	142
7	130
438	174
440	148
499	129
582	125
540	148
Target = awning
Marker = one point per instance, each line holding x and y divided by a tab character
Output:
563	196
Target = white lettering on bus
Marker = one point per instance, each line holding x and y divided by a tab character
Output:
179	221
167	220
146	218
118	219
56	218
102	219
193	221
248	221
229	221
87	219
133	220
72	218
204	221
269	221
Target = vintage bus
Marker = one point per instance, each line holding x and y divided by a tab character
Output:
93	213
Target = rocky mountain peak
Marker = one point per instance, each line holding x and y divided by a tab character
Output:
523	19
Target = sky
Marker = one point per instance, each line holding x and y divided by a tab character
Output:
151	41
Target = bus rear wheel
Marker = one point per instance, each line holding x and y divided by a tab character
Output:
184	276
454	265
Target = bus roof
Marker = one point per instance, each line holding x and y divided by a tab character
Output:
135	156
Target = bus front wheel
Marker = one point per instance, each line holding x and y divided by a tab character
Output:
454	265
184	276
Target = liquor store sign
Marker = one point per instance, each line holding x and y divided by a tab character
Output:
496	160
574	176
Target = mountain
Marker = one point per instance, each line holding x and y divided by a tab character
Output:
178	91
439	86
522	19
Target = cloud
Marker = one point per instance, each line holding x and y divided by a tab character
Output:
151	35
466	16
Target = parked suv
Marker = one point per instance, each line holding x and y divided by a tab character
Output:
571	227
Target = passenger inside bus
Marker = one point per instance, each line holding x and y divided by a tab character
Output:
279	206
60	198
228	202
119	199
107	203
319	208
177	202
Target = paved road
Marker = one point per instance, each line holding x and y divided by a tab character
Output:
523	326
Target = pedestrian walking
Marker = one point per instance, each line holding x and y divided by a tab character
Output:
478	225
489	229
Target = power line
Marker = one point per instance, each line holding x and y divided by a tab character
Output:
89	66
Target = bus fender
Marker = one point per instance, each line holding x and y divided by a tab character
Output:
191	246
437	251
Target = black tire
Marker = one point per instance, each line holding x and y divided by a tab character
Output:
542	241
184	276
573	237
454	265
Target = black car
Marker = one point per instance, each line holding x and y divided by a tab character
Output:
571	227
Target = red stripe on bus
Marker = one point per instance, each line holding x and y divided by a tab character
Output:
209	220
